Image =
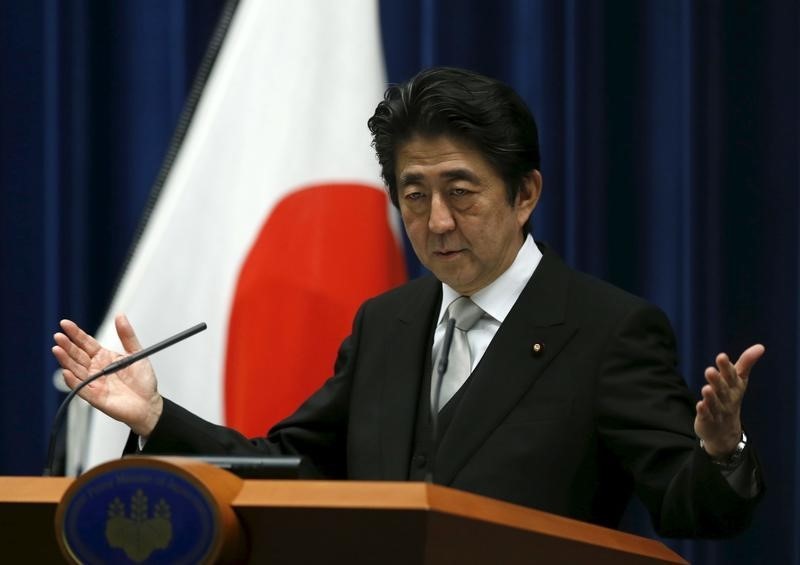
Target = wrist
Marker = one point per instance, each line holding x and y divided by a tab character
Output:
727	458
719	444
152	417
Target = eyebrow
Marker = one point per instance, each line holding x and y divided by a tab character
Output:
407	179
452	174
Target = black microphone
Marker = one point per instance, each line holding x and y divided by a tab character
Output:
107	370
436	387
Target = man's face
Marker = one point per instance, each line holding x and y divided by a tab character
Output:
456	211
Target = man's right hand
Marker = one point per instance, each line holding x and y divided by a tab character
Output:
130	395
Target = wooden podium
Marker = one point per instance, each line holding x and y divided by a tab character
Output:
301	522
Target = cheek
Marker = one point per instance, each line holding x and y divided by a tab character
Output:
416	229
477	231
484	239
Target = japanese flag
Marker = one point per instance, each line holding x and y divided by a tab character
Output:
272	225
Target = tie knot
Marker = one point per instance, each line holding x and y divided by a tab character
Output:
465	312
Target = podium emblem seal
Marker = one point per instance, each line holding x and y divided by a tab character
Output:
137	515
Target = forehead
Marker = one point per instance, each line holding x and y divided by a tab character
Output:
426	156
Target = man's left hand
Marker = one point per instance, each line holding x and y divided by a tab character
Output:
718	422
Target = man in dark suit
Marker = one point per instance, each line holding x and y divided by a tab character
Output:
562	392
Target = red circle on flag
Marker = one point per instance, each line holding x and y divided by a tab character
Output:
321	252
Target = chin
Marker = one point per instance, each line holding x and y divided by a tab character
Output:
458	285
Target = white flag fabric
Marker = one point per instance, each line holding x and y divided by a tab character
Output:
272	225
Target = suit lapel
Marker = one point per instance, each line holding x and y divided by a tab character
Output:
510	365
410	339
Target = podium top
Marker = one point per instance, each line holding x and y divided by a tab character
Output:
425	497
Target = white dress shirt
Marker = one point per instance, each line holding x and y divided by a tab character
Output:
496	300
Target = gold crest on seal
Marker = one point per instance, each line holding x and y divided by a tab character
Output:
137	534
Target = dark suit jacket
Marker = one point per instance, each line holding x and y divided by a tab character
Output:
600	412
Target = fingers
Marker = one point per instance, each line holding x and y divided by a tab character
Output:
727	371
748	359
720	384
702	410
722	396
73	372
80	338
73	351
728	376
126	334
712	407
68	365
70	357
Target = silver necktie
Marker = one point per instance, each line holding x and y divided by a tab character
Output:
466	314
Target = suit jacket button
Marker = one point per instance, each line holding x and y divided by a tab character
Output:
420	460
537	348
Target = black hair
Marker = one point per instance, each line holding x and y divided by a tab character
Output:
466	106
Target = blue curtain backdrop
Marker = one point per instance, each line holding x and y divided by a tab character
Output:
669	132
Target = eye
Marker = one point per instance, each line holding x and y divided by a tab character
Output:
413	196
459	191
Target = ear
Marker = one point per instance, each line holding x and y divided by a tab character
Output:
528	195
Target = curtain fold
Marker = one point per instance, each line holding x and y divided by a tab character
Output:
90	93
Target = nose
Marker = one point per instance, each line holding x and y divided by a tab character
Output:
441	218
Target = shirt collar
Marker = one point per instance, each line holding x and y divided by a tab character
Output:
499	297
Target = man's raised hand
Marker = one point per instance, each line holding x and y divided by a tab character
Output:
718	422
130	395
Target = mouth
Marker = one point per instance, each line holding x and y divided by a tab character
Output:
448	253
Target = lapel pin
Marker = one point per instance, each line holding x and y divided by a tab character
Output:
537	348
